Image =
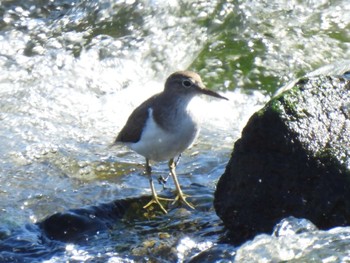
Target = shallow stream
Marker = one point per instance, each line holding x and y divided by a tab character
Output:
72	71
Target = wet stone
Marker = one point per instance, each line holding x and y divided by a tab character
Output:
292	159
78	224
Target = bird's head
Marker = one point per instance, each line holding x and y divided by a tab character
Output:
188	83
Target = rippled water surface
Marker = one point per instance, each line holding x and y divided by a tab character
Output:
72	72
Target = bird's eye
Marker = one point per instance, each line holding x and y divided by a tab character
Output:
187	83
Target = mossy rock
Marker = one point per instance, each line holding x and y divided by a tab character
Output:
293	159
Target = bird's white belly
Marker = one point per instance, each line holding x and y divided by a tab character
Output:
158	144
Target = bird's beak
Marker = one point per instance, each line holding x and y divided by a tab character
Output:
202	89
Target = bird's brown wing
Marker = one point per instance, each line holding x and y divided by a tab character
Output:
132	130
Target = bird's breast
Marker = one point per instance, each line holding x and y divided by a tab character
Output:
170	138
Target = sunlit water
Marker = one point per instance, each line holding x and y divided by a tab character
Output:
72	72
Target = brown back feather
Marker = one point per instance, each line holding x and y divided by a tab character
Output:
132	130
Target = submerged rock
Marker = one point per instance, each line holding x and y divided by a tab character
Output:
293	159
79	224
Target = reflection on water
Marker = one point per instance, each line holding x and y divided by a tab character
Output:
72	71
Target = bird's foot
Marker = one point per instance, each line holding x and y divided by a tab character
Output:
155	200
181	197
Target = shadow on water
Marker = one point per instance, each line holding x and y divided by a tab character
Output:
123	228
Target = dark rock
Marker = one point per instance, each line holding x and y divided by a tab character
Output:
71	227
293	159
80	224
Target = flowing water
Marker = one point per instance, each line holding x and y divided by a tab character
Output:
71	73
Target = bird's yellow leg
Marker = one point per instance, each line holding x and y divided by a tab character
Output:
155	198
180	195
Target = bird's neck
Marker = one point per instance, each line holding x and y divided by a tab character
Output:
174	112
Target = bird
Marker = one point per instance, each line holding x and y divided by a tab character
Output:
164	126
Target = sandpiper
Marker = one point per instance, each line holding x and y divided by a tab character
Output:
163	126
